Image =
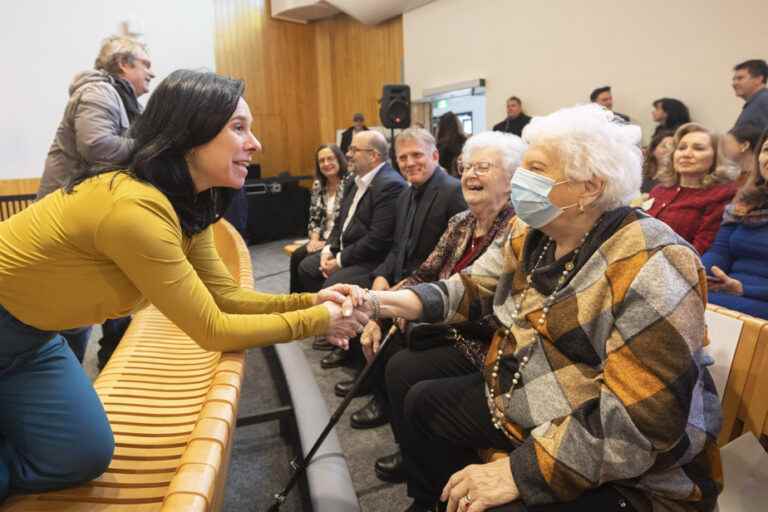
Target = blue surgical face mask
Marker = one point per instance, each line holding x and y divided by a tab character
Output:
530	198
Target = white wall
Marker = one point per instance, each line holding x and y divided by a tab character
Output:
552	53
46	42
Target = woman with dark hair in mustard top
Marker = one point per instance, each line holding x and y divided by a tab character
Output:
114	241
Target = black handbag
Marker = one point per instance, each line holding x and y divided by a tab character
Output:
424	336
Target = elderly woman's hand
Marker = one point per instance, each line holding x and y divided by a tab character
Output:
370	339
480	486
725	283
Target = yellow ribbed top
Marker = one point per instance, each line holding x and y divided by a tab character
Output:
113	245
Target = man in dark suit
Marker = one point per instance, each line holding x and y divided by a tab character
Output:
362	235
358	125
423	211
516	118
603	96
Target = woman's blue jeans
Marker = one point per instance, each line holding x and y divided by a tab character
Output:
54	432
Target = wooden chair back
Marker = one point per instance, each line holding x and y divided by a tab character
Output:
11	205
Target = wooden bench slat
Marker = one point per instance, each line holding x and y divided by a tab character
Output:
185	502
156	379
149	452
137	440
198	479
110	479
166	402
172	414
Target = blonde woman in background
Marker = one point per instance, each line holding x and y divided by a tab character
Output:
694	187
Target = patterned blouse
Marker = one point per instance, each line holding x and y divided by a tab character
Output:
452	248
317	209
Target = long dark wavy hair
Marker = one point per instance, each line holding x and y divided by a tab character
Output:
677	113
754	194
651	164
450	131
188	109
339	157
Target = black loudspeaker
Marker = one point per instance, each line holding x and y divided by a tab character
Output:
396	106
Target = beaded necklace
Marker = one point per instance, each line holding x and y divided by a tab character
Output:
497	415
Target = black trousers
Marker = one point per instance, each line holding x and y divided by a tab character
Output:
375	382
313	280
440	418
297	286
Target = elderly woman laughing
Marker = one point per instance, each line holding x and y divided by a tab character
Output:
595	385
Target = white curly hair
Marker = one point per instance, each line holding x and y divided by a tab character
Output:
510	147
591	141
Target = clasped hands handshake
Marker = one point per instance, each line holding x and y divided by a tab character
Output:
351	308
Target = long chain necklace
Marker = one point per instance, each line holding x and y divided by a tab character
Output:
497	415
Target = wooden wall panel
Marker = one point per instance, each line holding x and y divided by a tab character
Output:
19	186
358	61
303	82
277	61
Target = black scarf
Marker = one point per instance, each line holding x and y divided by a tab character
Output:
545	278
130	102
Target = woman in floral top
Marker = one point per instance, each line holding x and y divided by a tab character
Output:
491	160
331	180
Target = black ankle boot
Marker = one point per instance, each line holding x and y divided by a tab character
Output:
373	414
390	468
337	357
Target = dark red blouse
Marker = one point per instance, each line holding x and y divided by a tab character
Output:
694	213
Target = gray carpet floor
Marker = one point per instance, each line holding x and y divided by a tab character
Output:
261	453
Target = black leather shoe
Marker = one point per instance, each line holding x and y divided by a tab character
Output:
342	388
390	468
322	344
372	415
337	357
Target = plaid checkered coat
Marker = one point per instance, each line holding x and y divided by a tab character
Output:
616	388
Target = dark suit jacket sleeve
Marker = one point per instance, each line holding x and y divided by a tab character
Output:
378	240
334	239
387	267
457	204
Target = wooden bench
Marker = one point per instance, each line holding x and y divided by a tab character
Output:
173	410
745	409
744	402
291	248
10	205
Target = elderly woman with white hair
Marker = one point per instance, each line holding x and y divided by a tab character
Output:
595	387
489	160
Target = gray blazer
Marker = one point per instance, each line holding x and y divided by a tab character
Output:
92	131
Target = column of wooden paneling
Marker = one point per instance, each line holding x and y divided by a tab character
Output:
303	82
277	61
356	61
19	186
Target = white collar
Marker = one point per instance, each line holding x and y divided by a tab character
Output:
363	182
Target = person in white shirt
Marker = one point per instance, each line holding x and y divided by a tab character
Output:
362	235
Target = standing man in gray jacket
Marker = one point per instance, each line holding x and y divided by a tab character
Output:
93	132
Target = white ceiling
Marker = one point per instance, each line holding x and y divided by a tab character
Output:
369	12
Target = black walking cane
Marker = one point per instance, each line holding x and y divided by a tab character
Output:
299	470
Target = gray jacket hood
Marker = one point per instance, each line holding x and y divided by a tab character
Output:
89	77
